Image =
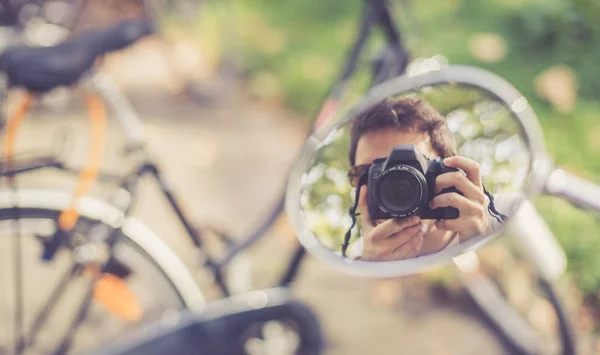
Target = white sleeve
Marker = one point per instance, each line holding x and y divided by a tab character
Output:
355	249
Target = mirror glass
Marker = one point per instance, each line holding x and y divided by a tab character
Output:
415	174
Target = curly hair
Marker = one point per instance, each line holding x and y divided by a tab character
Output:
408	114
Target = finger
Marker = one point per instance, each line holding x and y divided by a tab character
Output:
465	206
444	225
412	254
379	221
471	226
400	238
470	167
461	183
364	209
391	226
404	251
383	249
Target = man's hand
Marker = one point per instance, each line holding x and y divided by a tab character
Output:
471	205
392	239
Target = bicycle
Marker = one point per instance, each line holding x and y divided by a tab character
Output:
93	224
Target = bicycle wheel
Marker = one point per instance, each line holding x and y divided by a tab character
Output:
135	290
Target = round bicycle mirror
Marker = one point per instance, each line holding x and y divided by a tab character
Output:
422	170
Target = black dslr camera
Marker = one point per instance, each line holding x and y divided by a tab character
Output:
402	185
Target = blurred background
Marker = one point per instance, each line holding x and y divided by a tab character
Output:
230	87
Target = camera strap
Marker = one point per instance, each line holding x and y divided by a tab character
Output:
492	208
362	181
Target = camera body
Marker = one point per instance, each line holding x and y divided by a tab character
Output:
402	185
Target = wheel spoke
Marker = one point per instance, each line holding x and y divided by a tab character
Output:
18	275
47	309
83	310
79	318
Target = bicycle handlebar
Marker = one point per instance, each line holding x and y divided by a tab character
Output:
579	192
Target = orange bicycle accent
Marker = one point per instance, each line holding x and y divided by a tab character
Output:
13	126
113	293
69	217
116	296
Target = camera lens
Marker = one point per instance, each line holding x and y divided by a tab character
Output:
399	191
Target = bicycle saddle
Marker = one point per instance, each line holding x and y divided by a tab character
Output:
41	69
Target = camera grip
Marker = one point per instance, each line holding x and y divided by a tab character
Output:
448	212
451	189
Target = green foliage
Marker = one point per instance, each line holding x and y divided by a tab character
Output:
546	24
312	37
562	31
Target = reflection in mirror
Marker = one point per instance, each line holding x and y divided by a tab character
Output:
415	174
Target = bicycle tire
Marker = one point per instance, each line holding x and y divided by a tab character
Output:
170	294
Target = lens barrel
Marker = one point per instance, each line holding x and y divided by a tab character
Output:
401	190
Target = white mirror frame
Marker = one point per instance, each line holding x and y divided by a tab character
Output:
539	169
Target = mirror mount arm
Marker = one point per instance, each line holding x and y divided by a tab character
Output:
577	191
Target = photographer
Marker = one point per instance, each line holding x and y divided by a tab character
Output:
413	121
